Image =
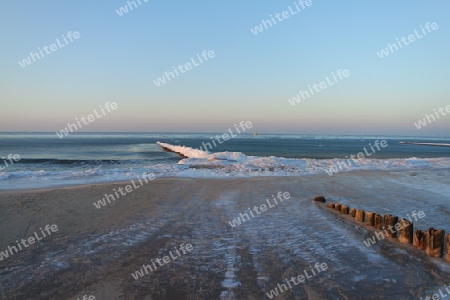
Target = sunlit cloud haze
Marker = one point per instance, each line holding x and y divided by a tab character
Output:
251	77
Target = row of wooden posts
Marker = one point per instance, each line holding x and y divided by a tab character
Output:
432	241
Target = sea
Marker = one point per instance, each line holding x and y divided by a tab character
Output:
85	158
400	179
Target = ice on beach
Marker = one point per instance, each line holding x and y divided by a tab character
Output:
203	164
280	243
240	165
186	151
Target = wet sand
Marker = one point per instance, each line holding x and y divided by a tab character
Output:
95	251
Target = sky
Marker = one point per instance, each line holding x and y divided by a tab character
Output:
250	78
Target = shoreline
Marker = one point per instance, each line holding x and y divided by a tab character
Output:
95	251
126	182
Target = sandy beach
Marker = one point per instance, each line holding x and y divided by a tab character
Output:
277	169
95	251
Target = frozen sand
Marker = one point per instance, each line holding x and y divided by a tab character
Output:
96	250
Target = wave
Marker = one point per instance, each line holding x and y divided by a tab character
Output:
68	161
427	144
194	163
239	164
185	151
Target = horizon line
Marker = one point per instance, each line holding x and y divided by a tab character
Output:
249	133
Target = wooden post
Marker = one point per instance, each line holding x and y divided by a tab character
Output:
447	247
320	199
344	209
434	242
370	218
352	212
378	221
405	233
389	225
359	215
330	205
419	239
337	206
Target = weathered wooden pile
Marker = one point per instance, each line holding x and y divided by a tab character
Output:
432	241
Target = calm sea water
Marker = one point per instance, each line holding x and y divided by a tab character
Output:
83	158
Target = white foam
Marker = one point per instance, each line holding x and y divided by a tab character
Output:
237	164
427	144
186	151
204	164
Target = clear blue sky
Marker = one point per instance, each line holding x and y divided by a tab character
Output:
251	77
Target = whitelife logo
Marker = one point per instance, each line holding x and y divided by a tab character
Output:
91	118
411	38
187	67
263	207
128	189
124	9
31	240
439	296
86	297
11	158
320	267
319	87
340	166
380	235
27	61
284	15
423	123
225	136
166	259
